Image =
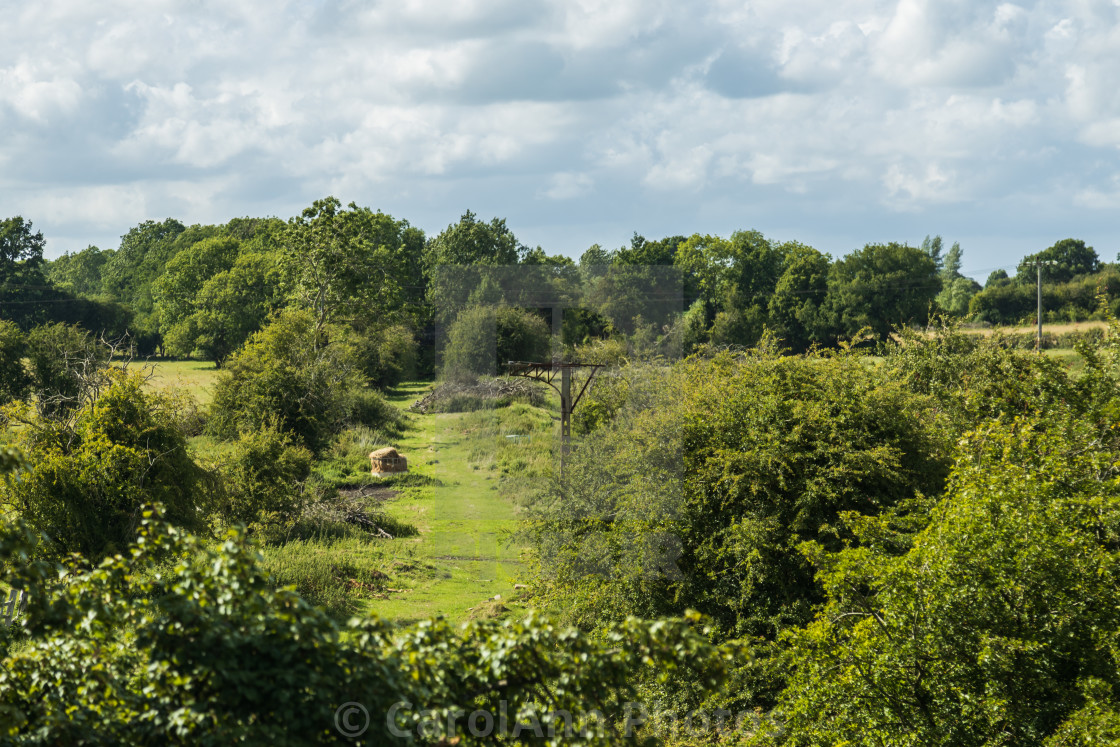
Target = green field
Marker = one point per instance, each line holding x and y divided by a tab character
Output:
197	377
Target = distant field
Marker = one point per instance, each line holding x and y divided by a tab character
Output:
1056	329
197	377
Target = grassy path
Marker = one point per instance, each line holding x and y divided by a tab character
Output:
463	553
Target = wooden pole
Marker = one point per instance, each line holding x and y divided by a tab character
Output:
565	414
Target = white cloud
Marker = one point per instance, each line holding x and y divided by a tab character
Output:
702	116
567	185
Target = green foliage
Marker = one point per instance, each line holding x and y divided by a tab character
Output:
796	315
1063	261
881	286
65	366
736	277
484	338
23	287
79	272
985	631
470	242
176	291
206	651
263	476
700	482
86	483
975	378
14	380
295	376
20	249
997	277
387	356
1075	300
348	264
956	290
131	270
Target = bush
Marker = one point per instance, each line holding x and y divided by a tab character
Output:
263	479
696	487
367	407
86	484
386	356
997	627
297	377
483	338
210	652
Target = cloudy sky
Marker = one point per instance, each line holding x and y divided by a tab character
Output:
834	122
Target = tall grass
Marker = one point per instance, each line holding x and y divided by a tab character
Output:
333	574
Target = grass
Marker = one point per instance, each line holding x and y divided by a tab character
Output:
197	377
463	555
459	494
1057	329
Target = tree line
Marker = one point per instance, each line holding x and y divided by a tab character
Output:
200	290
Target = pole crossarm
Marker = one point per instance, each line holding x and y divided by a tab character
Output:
547	373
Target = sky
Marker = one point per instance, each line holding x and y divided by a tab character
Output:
832	122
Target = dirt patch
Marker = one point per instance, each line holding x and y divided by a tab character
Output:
370	494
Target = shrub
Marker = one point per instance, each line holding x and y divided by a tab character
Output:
997	627
263	479
483	338
697	486
294	375
210	652
386	356
86	484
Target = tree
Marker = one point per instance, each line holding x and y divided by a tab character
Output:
795	308
176	290
451	259
141	257
79	272
956	289
736	278
23	287
932	249
482	338
66	367
347	265
998	277
595	256
20	248
642	251
473	242
880	286
14	381
1070	257
1008	303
